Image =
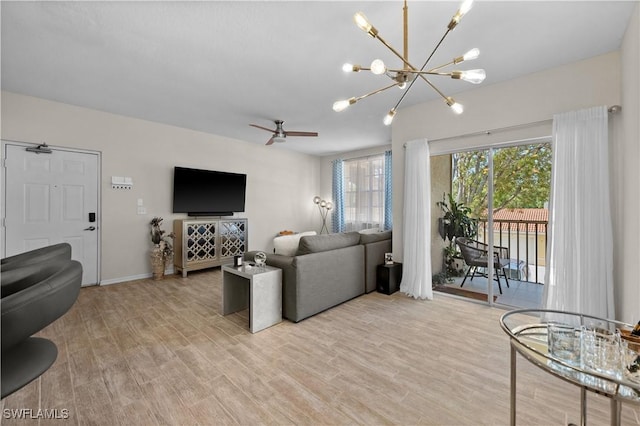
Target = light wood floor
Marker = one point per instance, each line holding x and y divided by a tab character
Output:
158	352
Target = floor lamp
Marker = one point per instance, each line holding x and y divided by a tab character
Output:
324	207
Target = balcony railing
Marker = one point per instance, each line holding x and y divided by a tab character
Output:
527	244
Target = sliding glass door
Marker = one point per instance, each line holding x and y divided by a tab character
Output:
515	182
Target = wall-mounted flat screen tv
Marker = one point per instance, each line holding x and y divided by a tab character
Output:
208	193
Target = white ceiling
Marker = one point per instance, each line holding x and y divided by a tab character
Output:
216	66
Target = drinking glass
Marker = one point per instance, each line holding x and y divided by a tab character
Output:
564	342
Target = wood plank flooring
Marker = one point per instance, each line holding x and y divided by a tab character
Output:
159	353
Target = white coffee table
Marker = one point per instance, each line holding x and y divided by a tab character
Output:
256	288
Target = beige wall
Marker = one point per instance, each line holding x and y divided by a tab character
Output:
280	183
535	98
626	179
440	184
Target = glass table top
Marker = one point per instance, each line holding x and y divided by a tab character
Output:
585	351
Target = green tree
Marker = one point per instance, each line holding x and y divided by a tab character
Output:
522	177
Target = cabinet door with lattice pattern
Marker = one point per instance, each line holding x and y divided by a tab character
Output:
233	238
201	241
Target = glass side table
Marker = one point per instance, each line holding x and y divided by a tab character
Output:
528	330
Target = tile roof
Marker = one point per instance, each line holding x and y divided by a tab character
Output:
521	220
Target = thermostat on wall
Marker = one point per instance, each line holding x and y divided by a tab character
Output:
121	182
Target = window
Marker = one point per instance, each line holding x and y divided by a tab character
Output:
364	193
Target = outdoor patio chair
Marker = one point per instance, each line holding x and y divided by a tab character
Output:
475	255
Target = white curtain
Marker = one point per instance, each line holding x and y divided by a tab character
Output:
416	268
579	274
364	193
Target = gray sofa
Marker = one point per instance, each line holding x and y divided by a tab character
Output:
328	270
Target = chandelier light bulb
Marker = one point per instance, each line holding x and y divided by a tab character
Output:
347	67
378	67
362	22
323	203
471	55
343	104
316	199
457	108
402	85
465	7
388	119
474	76
329	205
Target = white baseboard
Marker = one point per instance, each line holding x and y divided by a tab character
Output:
132	278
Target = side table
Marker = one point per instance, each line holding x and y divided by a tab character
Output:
388	277
256	288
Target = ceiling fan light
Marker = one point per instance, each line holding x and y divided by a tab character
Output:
378	67
343	104
388	119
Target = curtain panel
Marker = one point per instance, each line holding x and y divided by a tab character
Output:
388	191
337	217
416	268
579	274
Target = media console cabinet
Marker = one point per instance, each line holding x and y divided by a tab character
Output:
207	242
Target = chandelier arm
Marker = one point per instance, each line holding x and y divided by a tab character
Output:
422	76
442	66
416	72
434	49
395	52
435	88
375	92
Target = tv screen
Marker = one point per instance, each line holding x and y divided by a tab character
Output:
207	192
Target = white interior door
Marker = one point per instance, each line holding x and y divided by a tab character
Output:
52	198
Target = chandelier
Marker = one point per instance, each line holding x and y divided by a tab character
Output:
405	77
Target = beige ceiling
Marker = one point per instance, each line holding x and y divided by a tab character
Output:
216	66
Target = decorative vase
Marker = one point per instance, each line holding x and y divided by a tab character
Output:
157	262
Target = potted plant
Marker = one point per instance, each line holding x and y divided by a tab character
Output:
455	222
162	251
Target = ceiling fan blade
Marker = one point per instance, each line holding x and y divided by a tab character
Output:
263	128
293	133
269	142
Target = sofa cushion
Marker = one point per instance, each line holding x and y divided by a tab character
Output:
320	243
375	237
287	245
369	230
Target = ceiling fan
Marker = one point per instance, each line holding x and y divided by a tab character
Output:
280	135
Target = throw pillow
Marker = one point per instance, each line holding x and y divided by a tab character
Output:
287	245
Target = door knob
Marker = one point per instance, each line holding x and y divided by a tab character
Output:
91	228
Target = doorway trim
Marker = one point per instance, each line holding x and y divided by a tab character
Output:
98	154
